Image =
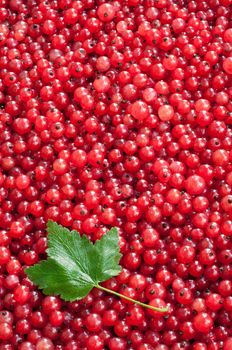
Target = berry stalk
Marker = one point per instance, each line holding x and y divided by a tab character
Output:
165	309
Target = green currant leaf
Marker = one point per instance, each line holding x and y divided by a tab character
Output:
108	262
53	279
75	265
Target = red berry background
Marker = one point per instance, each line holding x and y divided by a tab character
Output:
118	113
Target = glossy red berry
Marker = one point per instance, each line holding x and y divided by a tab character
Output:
106	12
6	331
195	185
203	322
139	110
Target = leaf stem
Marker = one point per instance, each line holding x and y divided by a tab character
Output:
165	309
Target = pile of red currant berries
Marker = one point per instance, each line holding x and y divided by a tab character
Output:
118	113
